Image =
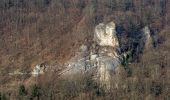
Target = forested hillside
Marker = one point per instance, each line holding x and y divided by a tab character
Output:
51	31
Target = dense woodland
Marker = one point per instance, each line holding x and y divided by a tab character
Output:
38	31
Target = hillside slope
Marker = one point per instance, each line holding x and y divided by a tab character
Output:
35	32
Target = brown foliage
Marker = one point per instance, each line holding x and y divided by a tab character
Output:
36	31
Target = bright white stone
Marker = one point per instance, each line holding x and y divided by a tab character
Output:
83	48
105	35
147	37
93	57
39	69
103	62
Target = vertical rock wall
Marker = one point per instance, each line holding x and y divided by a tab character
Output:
105	36
102	61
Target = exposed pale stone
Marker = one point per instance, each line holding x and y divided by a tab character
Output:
39	69
147	37
83	48
105	35
106	67
103	61
17	72
93	56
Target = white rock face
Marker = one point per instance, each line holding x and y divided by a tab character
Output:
105	35
39	69
103	61
106	68
17	72
147	37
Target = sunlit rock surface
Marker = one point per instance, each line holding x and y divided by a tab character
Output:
39	69
147	37
102	58
105	35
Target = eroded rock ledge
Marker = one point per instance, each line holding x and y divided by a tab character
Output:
102	58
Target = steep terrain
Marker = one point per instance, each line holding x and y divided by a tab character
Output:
124	44
101	58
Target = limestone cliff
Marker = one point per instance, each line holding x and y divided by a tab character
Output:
102	57
105	35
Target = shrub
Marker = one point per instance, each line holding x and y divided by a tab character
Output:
22	91
156	89
36	91
127	58
125	62
70	89
2	97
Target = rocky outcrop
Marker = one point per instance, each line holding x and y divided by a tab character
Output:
39	69
147	37
105	35
102	58
108	59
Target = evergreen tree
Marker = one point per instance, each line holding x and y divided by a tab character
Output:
22	91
